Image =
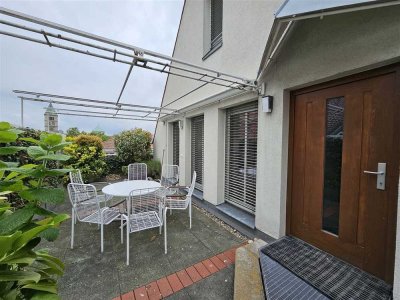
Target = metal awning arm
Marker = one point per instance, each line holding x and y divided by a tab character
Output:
244	81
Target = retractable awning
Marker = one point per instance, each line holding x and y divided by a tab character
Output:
69	39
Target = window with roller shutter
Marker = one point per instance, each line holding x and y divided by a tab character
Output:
197	149
175	143
212	26
241	156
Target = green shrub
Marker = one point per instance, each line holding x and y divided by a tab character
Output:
86	152
27	273
133	146
23	158
100	134
153	169
113	164
73	131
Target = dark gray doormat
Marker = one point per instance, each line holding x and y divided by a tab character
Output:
330	275
280	283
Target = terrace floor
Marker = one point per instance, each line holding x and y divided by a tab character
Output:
90	274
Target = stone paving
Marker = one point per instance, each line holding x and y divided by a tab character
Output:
90	274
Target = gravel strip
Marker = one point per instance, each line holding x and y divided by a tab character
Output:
222	223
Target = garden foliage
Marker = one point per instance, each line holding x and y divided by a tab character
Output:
133	146
27	273
86	152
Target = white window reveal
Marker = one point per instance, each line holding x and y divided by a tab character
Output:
241	156
197	149
212	26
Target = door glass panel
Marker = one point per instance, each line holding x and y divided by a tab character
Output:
333	163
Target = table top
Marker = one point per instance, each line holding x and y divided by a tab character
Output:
123	188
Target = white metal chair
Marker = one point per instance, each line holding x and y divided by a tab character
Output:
171	203
137	171
75	176
86	208
169	175
144	211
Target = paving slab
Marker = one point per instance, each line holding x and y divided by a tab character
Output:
90	274
216	286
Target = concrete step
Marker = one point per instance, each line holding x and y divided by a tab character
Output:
248	281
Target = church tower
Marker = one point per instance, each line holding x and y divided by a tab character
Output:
51	119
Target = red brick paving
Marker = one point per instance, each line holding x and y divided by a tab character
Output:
173	283
128	296
194	275
210	266
153	291
230	254
164	287
141	293
218	263
184	278
202	269
224	259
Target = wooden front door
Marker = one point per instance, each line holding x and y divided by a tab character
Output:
339	131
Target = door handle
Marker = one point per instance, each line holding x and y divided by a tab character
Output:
374	173
380	176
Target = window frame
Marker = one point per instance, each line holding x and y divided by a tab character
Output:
211	45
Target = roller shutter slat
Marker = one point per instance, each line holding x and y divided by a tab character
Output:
197	145
241	155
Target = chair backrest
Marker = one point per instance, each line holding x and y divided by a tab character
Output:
169	175
192	185
84	199
75	176
145	200
137	171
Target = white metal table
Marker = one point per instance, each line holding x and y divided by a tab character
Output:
124	188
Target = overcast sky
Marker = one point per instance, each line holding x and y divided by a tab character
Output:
33	67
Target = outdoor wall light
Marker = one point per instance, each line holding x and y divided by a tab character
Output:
180	124
267	103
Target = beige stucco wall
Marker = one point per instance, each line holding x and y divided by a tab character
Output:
317	50
245	32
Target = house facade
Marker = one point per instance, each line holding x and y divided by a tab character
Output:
308	167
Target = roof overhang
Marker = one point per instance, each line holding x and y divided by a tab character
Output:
292	11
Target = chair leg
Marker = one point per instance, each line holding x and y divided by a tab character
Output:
165	230
122	230
190	215
102	236
72	228
127	245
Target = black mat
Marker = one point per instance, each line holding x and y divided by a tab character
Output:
280	283
330	275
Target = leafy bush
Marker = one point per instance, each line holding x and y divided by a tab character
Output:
153	169
113	164
86	152
100	134
23	158
27	273
133	146
73	131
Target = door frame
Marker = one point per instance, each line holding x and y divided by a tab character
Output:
392	216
